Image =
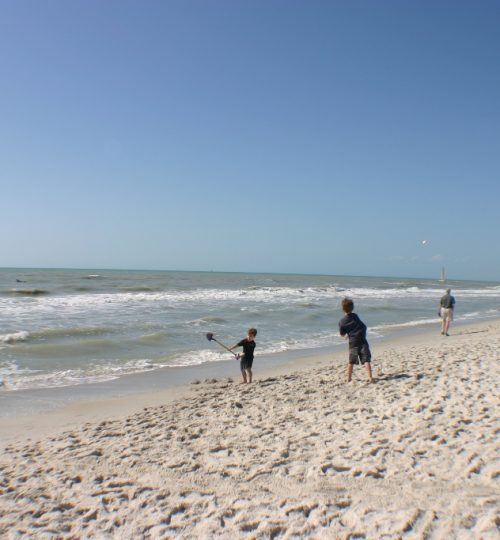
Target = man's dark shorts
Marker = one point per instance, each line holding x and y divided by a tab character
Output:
245	364
359	351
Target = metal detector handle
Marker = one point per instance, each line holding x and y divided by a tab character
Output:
210	337
227	348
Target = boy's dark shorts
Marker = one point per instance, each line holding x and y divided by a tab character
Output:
246	364
359	351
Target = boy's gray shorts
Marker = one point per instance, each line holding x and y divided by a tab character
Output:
359	352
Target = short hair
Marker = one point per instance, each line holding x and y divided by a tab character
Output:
252	331
347	305
448	291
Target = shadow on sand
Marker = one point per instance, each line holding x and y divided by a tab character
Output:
394	376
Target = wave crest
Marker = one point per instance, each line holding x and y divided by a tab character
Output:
15	337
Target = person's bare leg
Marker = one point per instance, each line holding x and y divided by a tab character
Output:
244	373
369	371
349	372
249	375
446	326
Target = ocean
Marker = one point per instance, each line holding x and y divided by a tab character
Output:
61	328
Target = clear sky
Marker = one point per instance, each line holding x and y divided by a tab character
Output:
310	136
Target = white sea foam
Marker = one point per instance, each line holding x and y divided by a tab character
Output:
14	337
207	321
407	324
229	297
195	358
486	314
16	378
10	372
476	315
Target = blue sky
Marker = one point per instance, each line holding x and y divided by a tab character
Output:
310	136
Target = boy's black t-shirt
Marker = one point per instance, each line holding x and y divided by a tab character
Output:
248	348
354	327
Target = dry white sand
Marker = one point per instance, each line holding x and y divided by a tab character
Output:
295	455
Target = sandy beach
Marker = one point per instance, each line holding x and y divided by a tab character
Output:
298	453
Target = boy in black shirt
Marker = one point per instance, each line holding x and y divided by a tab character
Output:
352	326
246	359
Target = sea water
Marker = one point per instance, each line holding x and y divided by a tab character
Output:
74	327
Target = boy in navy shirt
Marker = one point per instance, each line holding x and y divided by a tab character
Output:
359	350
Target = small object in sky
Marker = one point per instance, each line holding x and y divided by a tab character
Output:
424	242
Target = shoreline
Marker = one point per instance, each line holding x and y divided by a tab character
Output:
297	453
48	410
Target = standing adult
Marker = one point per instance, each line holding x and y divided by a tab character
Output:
446	305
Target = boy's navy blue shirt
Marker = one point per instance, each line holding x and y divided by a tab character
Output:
354	327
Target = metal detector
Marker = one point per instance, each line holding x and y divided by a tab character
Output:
210	337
